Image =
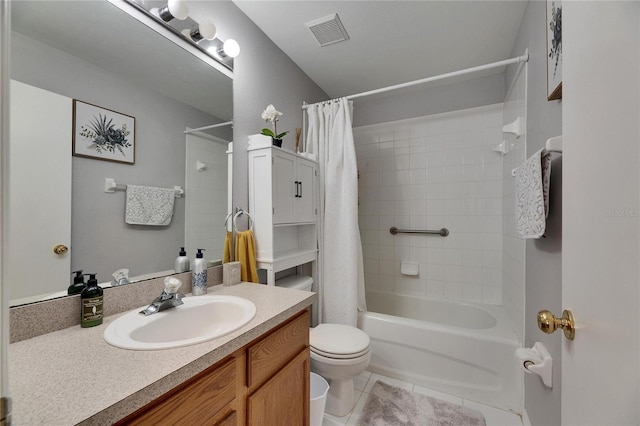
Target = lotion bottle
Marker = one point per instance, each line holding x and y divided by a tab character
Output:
199	275
78	283
182	262
91	297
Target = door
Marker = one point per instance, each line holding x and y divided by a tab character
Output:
601	212
305	204
284	187
40	162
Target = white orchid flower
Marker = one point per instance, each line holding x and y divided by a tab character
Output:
271	114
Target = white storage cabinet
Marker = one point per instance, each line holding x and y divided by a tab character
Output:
283	204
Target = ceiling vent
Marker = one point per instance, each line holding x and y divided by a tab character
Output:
328	30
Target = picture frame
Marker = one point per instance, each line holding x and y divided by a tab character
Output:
554	49
103	134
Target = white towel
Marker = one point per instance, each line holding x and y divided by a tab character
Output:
532	195
149	206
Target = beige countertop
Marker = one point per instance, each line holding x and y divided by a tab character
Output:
73	376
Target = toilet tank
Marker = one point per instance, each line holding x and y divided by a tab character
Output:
298	282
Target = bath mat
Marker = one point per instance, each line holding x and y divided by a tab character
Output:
391	406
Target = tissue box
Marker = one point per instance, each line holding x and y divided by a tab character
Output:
231	273
259	141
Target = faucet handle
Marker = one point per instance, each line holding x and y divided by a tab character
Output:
171	285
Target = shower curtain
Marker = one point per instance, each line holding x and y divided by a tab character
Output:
340	264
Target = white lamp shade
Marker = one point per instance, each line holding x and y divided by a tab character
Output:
178	9
231	48
207	29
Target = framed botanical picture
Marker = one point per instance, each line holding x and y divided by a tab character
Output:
554	49
103	134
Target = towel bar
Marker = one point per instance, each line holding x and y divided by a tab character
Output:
442	232
111	186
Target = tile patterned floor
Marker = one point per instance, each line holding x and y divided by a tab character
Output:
364	382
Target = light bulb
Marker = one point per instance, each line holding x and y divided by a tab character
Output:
231	48
174	9
207	29
178	9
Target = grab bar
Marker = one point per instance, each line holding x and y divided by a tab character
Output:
442	232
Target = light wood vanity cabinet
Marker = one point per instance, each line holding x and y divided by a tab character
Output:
264	383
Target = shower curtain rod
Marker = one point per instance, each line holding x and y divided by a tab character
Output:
517	59
226	123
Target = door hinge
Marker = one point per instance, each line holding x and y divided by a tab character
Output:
273	211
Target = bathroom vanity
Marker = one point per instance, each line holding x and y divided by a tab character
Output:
258	374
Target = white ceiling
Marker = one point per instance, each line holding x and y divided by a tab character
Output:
391	42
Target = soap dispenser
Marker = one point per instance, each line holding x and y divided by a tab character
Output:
199	275
78	283
182	262
91	297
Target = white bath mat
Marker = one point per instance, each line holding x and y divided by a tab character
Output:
391	406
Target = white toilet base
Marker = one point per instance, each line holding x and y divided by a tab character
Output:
341	397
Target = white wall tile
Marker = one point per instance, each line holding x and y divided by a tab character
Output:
428	173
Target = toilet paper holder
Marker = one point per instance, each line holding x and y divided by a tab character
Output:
537	360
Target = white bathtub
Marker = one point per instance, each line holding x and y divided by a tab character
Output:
462	349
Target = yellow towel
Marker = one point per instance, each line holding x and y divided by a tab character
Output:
246	255
226	257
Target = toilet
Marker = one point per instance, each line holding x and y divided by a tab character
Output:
339	353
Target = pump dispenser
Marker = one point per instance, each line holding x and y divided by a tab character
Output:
199	275
78	283
92	302
182	262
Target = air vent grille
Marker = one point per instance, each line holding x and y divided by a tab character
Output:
328	30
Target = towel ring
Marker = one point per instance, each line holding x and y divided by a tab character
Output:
226	221
237	215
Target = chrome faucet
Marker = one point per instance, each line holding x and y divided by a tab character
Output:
170	298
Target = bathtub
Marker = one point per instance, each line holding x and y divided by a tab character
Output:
461	349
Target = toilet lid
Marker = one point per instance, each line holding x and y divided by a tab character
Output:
338	341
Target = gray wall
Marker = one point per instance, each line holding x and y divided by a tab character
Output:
543	276
101	241
263	75
420	101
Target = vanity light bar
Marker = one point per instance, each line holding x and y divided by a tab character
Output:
173	31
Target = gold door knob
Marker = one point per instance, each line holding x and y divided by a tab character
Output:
60	249
548	323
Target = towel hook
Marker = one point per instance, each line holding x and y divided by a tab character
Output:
237	215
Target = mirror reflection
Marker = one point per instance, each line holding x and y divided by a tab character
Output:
95	53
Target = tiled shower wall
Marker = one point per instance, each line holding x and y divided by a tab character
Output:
428	173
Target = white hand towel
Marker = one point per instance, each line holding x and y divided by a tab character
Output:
532	195
149	206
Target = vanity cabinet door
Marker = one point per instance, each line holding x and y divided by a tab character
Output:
273	352
283	399
205	400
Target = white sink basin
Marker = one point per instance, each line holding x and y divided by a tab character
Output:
199	319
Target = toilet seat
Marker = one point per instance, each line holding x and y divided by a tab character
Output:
337	341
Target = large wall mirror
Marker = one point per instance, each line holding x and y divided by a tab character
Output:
95	53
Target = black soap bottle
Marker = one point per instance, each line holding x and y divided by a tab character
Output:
92	299
78	283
